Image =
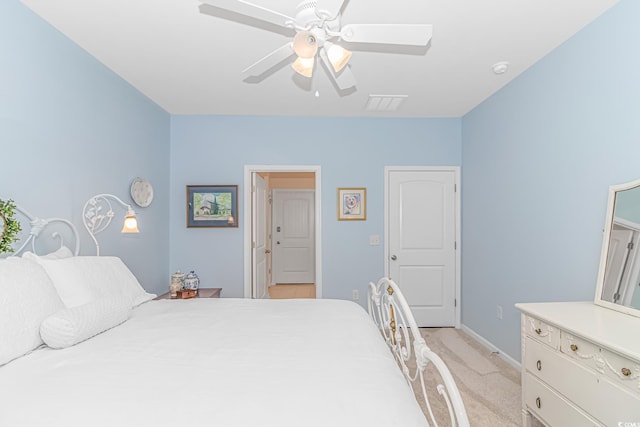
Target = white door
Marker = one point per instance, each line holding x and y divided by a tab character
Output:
422	219
293	236
259	237
616	262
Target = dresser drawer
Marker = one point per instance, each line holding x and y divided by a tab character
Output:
550	407
589	390
568	378
541	331
619	369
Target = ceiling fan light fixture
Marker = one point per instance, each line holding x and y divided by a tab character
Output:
305	44
304	66
338	56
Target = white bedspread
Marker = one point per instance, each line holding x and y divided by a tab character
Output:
216	362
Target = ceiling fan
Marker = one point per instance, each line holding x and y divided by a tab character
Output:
317	32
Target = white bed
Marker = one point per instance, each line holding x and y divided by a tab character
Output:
125	360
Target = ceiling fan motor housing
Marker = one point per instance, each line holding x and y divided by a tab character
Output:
308	17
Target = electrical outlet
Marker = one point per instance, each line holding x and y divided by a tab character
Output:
499	312
355	295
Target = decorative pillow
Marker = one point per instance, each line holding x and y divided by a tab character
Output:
27	296
82	279
70	326
63	252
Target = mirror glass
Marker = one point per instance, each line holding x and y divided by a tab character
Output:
619	275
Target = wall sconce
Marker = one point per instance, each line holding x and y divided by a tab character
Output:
98	213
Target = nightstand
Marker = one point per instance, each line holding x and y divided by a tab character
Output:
202	293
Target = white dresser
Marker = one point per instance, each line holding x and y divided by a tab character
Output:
580	365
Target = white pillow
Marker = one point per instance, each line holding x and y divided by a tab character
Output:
83	279
70	326
63	252
27	296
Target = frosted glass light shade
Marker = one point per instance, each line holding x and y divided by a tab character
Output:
130	223
338	56
304	66
305	44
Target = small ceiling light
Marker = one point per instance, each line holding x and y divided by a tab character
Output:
338	56
317	94
305	44
304	66
500	67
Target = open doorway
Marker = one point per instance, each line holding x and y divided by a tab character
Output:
282	236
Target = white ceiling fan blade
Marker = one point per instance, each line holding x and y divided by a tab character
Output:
403	34
269	61
329	8
249	9
344	79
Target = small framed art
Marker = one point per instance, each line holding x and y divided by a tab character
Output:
212	205
352	204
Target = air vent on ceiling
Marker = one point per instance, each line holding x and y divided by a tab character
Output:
385	102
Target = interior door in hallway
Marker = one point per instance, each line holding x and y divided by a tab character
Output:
421	215
293	230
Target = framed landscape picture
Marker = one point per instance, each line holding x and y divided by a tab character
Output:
352	204
212	205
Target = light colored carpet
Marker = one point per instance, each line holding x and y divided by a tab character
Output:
490	387
293	290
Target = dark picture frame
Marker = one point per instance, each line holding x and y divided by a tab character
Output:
212	206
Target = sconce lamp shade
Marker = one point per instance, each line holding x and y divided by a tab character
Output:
130	222
304	66
338	56
231	220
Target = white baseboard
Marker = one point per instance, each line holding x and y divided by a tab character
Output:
482	340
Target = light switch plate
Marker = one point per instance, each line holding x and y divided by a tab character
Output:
374	240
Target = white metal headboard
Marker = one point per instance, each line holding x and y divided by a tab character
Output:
36	228
390	311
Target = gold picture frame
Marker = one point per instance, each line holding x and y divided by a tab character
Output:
352	204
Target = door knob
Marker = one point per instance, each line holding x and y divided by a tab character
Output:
393	257
267	251
277	243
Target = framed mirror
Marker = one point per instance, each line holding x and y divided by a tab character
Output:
618	285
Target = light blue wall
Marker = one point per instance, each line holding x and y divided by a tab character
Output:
538	158
69	129
351	152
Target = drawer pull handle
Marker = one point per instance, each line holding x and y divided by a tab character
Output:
626	372
574	347
538	402
538	331
539	365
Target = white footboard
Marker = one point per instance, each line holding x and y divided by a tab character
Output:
391	313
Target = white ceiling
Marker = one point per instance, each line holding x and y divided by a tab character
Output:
191	63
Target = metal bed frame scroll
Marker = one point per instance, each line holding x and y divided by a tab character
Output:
389	310
33	228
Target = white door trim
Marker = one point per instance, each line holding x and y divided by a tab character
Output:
456	170
248	171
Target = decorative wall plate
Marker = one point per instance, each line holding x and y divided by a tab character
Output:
141	192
